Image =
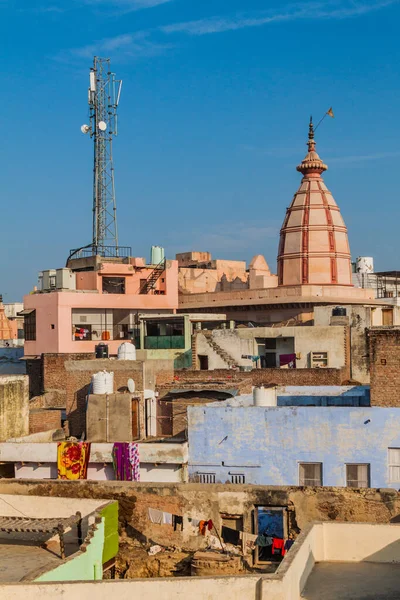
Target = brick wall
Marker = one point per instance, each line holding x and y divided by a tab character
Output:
53	369
44	420
384	353
245	380
210	501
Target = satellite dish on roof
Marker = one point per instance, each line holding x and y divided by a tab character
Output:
102	126
131	385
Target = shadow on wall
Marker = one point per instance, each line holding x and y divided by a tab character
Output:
184	360
77	417
388	554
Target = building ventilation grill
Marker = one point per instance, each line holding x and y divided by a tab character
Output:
235	478
206	477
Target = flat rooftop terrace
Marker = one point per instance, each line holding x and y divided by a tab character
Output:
17	561
353	581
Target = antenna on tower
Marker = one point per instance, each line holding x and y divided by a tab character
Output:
103	96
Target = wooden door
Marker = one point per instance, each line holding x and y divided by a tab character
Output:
135	419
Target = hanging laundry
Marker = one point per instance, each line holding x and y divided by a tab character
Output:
155	516
210	525
248	541
203	527
126	461
177	521
230	536
167	518
278	547
288	544
287	360
134	460
72	460
264	540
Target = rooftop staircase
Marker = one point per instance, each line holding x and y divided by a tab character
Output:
226	357
152	279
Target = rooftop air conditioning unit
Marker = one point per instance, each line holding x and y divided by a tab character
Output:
49	280
65	279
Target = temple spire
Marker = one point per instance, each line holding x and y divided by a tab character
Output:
311	164
311	141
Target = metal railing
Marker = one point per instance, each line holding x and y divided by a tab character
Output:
104	251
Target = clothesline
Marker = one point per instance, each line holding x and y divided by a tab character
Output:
229	535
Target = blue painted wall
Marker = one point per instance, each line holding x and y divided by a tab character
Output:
10	363
267	444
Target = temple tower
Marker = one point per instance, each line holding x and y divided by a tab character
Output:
313	247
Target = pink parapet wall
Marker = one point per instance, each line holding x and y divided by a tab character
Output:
55	310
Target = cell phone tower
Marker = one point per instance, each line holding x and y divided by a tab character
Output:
103	95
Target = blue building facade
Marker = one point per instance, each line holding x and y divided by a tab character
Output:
297	445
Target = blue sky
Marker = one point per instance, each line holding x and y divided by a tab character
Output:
212	123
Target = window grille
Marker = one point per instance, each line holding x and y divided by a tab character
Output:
238	478
310	474
206	477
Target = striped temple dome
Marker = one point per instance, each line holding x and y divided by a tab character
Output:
313	247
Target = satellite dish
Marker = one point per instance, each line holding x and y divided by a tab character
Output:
85	128
131	385
102	126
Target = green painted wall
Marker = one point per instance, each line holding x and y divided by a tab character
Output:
86	566
111	538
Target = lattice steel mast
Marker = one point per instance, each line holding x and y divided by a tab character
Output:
104	94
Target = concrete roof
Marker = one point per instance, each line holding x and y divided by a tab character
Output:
352	581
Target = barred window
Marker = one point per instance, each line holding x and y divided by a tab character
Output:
206	477
30	326
238	478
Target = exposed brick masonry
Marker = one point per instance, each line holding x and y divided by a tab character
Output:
384	350
44	420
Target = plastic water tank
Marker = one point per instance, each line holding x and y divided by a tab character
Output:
339	311
127	351
365	264
101	350
265	396
157	255
103	383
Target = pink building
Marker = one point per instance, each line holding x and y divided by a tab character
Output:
96	299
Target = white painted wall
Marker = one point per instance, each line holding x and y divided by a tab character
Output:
159	462
369	542
201	588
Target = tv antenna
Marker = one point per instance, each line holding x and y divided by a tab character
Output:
103	96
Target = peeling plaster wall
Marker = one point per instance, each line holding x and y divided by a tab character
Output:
14	406
267	444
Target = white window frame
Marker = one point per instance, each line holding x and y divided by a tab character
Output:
321	480
393	465
368	465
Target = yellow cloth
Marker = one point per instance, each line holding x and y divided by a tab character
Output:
72	460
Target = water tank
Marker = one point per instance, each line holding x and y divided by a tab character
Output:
103	383
339	311
157	255
127	351
265	396
365	264
101	350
